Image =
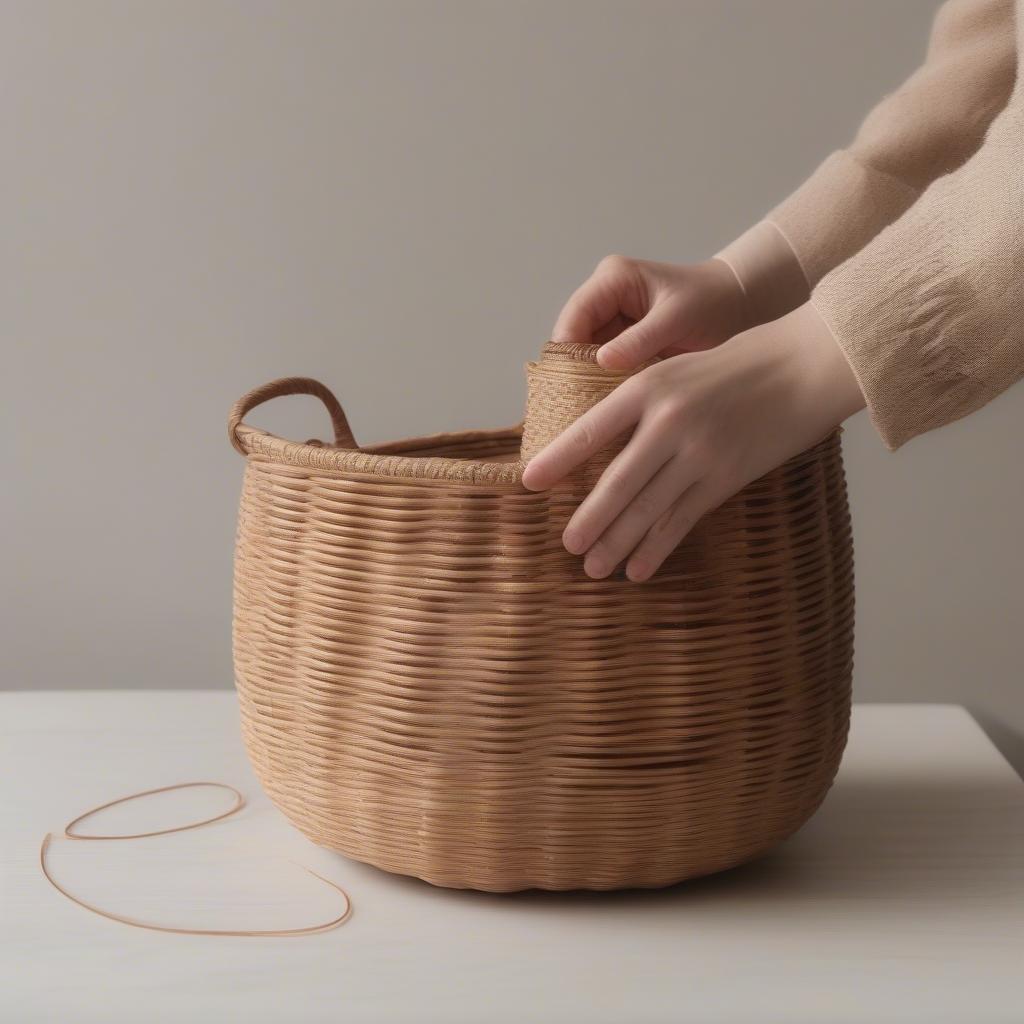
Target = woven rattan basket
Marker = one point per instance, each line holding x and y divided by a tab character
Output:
430	683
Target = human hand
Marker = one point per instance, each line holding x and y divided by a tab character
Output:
637	309
704	424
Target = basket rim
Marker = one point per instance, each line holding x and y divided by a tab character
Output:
389	459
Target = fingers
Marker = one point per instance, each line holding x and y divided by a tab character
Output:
670	529
616	542
644	340
618	488
602	299
590	434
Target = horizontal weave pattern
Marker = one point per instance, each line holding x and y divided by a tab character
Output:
429	682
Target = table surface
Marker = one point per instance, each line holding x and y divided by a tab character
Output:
900	901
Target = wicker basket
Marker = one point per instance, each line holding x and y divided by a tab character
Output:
430	683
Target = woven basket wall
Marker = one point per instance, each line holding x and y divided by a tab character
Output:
430	683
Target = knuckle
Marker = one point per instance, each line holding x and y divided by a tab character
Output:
645	506
668	413
615	482
636	339
698	451
702	450
671	523
582	436
615	263
667	527
655	531
682	519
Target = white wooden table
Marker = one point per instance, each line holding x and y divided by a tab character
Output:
903	900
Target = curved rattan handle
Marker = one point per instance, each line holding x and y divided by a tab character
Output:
291	386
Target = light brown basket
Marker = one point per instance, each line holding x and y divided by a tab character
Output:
429	682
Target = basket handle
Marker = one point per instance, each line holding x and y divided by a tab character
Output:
291	386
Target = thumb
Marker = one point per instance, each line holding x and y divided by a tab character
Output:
642	341
594	305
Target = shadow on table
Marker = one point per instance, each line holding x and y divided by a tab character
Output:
928	843
1008	740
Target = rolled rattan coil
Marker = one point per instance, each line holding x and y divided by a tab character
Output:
430	683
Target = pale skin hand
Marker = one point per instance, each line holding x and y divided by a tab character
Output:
637	309
704	423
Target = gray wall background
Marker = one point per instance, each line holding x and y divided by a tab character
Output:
396	198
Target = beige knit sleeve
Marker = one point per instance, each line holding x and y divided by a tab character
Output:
927	128
930	314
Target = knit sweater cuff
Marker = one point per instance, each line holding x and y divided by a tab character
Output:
914	333
837	211
768	272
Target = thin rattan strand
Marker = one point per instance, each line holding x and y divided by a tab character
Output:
70	833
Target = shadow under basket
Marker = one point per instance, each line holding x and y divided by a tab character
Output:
430	683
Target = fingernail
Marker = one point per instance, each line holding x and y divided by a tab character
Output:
573	541
636	572
596	569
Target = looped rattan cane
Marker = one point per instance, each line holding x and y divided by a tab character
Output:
429	682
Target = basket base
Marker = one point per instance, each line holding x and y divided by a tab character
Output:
506	888
558	881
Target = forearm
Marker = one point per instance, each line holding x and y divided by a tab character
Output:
928	127
768	273
929	313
